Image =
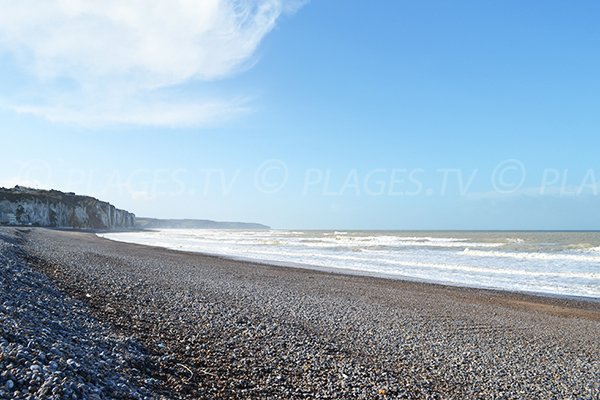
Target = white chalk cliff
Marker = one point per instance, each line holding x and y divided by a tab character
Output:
26	206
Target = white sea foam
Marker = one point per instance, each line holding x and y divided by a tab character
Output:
535	255
472	260
514	240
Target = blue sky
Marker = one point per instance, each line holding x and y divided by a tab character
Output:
322	114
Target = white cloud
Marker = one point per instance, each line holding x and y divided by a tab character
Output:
122	50
150	113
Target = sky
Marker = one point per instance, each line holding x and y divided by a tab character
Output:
309	115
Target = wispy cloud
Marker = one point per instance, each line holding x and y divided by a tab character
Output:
104	61
139	113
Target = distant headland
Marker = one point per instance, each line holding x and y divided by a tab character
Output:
154	223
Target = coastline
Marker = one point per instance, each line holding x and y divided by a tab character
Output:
371	274
553	303
254	330
377	275
542	263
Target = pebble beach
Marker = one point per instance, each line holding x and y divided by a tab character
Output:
85	317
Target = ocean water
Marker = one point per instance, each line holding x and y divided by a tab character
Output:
556	263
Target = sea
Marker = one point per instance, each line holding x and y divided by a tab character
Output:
550	263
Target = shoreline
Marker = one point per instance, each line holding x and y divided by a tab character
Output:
213	327
369	274
391	277
552	303
557	304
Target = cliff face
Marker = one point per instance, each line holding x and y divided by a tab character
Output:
24	206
